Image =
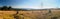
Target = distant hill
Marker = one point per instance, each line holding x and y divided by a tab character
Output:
25	9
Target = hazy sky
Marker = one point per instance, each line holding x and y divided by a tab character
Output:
35	4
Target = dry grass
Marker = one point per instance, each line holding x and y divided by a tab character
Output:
30	14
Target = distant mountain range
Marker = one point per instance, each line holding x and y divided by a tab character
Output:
29	9
36	9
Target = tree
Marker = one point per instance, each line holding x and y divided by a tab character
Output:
9	7
4	7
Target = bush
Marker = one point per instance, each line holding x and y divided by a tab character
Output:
54	17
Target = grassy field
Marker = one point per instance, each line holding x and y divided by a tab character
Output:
41	14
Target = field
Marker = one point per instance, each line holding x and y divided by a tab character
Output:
40	14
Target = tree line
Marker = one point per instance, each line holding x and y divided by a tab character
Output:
5	8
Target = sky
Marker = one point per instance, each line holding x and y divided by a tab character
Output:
34	4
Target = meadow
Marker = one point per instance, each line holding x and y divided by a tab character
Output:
33	14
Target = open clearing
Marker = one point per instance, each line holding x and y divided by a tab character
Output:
44	14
